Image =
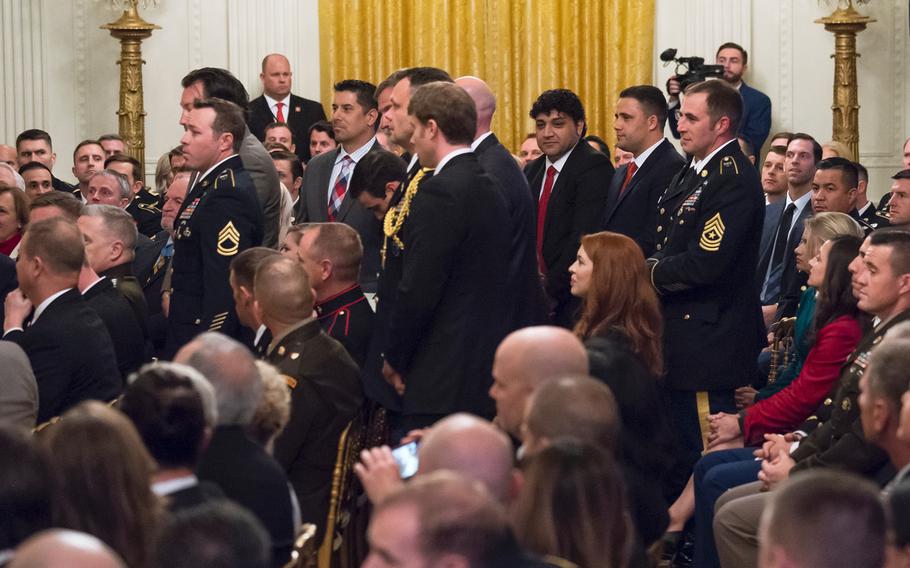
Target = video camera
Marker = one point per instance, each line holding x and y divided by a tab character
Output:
690	70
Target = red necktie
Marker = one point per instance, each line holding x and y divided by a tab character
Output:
280	115
630	171
542	214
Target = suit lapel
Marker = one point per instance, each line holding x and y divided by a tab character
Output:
322	183
348	201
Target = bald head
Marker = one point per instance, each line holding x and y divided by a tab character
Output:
484	100
65	549
525	360
282	291
472	447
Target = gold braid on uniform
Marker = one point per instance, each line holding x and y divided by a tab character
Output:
395	217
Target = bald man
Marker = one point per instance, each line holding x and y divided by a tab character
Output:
527	359
326	393
526	292
65	549
8	156
462	443
297	112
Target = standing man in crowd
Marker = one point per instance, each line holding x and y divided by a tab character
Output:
88	158
569	183
143	206
449	315
704	268
756	121
641	114
277	104
324	197
219	218
35	146
210	82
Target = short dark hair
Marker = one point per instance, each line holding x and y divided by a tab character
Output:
903	174
228	118
782	134
89	142
560	100
25	487
736	46
321	126
106	137
245	264
125	159
58	242
450	106
277	124
362	89
651	99
780	150
722	100
167	411
899	241
220	84
420	76
602	145
849	173
296	166
66	202
34	166
816	147
376	169
861	171
34	134
219	533
828	518
388	82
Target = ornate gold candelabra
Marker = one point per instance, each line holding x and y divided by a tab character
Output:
845	22
130	29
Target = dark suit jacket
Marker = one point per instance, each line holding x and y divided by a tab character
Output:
786	275
792	281
9	281
254	480
576	208
314	199
449	315
72	355
299	118
634	214
120	320
525	291
326	395
348	318
755	123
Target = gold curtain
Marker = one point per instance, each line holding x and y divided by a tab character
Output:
519	47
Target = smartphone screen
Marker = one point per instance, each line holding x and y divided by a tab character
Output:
406	456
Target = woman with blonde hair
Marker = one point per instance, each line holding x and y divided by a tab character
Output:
101	480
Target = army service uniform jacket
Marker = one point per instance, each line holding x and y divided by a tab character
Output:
709	224
220	218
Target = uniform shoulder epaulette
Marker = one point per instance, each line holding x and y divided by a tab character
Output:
150	207
225	180
728	166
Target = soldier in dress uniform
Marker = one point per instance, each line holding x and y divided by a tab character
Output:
219	218
325	385
145	208
704	268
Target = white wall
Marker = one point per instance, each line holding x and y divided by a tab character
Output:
789	60
59	70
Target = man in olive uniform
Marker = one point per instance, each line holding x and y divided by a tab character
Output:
709	219
325	385
220	217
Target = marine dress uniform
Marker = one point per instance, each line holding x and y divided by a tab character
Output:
220	218
348	318
709	223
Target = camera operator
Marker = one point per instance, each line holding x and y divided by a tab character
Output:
756	120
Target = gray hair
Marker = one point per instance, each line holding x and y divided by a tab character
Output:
200	383
116	221
230	368
126	192
20	182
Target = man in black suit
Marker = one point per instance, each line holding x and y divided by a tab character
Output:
641	114
238	465
330	253
325	384
525	290
704	268
69	348
324	197
569	184
449	315
210	82
35	145
277	104
126	331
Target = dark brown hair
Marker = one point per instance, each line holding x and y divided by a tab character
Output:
450	106
722	100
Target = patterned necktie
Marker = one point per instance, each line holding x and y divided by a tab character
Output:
279	116
340	188
542	214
